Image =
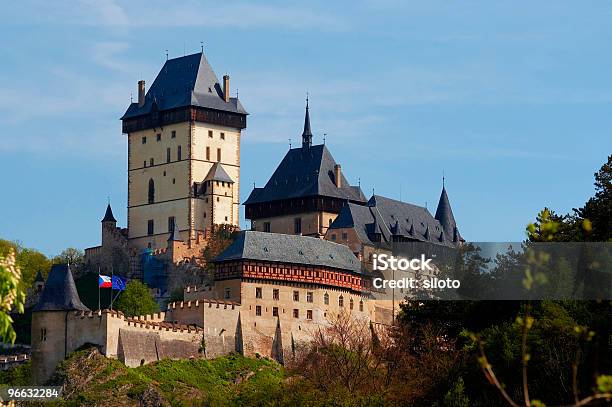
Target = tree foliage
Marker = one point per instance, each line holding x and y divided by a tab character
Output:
136	300
12	296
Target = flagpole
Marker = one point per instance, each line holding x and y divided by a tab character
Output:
99	288
111	291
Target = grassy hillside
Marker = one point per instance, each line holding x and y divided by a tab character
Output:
91	379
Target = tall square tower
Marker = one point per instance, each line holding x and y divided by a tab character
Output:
183	142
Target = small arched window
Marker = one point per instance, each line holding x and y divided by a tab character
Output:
361	306
351	303
326	299
151	191
341	301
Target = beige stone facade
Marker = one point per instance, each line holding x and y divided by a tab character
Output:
163	165
311	223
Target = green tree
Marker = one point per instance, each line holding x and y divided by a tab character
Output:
69	256
136	300
12	296
29	261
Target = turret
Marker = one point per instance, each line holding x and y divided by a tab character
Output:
444	214
50	322
109	224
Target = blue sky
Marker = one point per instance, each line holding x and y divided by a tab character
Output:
513	101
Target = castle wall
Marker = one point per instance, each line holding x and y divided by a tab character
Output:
219	320
313	223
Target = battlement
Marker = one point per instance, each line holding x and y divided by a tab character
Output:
197	303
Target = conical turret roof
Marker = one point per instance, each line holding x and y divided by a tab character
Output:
444	214
60	293
108	216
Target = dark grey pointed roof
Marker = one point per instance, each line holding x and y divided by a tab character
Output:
108	215
218	173
307	133
389	218
276	247
175	235
185	81
444	214
60	293
302	173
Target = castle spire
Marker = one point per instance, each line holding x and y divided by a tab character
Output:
108	216
307	133
444	214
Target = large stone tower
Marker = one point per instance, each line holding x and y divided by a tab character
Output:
183	129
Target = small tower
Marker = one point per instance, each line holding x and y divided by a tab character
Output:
51	322
109	225
218	195
174	244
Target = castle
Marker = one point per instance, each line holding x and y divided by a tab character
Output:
306	258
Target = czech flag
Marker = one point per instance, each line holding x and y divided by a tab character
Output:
104	281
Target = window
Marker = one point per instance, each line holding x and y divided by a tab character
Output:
150	227
361	306
296	313
275	294
344	236
43	334
158	137
170	223
144	140
341	301
267	227
219	154
168	155
297	226
258	310
275	311
296	296
309	296
207	153
173	134
351	303
326	299
228	293
333	237
178	153
145	163
258	293
152	161
222	136
151	191
164	173
330	222
210	133
309	314
174	180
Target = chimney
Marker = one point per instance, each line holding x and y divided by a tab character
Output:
226	89
338	176
141	93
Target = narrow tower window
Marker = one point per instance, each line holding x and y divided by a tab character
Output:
207	153
178	153
219	154
151	191
168	155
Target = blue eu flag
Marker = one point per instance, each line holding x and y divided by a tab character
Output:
118	283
